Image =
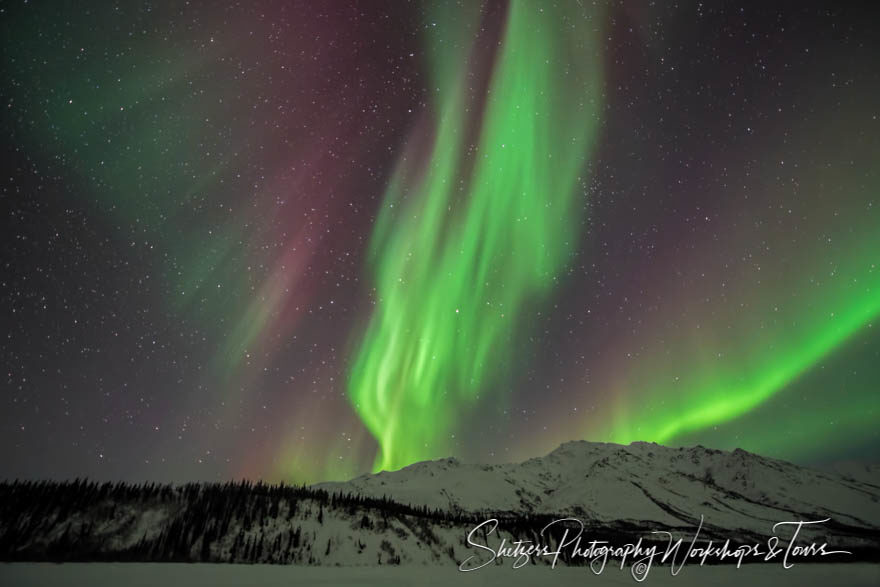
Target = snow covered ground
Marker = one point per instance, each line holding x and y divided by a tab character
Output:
220	575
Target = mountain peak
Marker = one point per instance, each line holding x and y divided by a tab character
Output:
642	481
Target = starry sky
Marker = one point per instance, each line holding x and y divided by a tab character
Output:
302	241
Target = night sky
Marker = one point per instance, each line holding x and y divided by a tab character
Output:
301	241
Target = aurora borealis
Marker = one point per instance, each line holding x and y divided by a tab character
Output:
302	242
462	252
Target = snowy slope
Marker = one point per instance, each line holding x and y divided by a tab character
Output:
234	525
866	473
642	482
420	515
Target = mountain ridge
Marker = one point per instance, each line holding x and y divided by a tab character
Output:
421	514
608	482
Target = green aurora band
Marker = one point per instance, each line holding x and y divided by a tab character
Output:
749	370
714	391
462	245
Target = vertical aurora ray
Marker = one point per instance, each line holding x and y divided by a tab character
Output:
463	244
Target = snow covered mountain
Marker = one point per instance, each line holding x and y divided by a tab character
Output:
643	483
422	514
